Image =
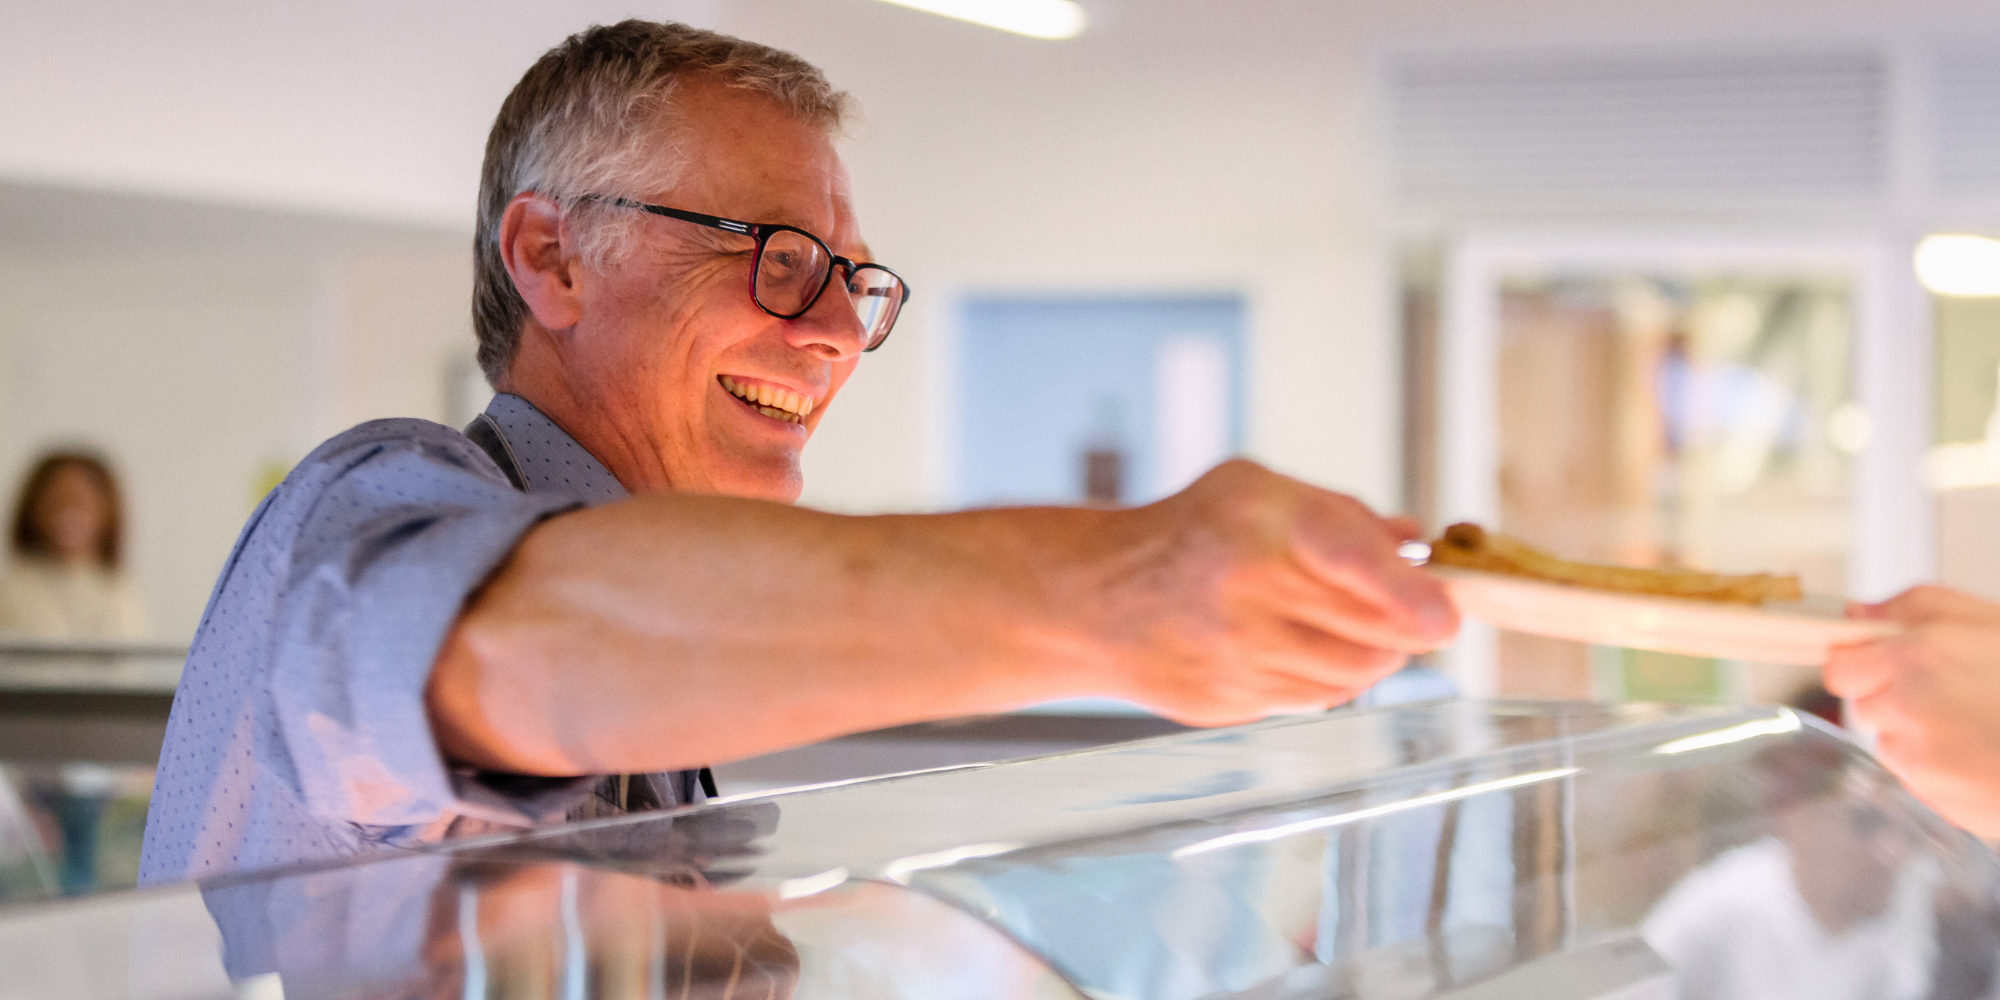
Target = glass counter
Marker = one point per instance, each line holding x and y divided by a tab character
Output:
1448	849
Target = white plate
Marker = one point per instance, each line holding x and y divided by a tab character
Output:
1791	632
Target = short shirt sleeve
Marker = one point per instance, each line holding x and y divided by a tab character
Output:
393	526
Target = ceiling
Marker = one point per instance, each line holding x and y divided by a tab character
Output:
349	120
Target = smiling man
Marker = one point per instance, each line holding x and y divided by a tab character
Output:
601	585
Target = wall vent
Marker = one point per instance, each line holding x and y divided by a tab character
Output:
1965	124
1641	129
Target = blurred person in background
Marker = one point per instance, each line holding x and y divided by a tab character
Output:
66	581
1932	696
66	584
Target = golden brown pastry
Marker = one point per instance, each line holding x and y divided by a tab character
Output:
1472	547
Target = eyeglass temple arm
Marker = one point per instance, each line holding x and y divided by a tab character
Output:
711	221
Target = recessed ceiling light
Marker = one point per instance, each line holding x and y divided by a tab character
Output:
1959	265
1034	18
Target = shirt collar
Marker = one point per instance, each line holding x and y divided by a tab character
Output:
550	460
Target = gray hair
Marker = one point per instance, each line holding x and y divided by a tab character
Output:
596	115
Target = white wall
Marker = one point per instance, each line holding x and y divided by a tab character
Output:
369	107
1182	145
401	326
1142	160
88	352
202	377
1188	145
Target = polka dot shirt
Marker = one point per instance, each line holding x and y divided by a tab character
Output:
299	732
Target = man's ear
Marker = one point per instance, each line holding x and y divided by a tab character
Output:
544	266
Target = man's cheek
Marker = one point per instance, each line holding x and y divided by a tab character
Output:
819	410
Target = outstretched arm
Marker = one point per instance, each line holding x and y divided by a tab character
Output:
671	631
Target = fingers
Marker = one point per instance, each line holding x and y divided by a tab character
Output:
1338	541
1861	671
1928	604
1281	667
1881	713
1389	603
1338	610
1930	694
1947	774
1278	696
1330	660
1403	529
1299	598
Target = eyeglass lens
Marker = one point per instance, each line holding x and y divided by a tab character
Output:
793	268
877	295
790	272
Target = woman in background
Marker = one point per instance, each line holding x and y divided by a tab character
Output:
64	584
65	581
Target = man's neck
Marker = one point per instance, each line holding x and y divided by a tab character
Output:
537	375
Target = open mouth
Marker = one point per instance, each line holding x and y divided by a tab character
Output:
769	400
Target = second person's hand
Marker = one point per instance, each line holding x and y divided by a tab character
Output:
1932	695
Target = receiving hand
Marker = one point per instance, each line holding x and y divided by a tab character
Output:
1933	696
1250	593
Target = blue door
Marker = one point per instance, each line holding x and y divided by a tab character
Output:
1114	399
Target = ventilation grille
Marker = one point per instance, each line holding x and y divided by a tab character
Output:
1640	129
1966	122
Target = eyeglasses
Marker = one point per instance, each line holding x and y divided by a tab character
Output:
793	268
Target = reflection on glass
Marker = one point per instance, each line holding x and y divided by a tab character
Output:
1765	860
626	912
656	910
1791	914
70	828
1457	851
615	935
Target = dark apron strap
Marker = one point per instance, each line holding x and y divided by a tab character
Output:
485	432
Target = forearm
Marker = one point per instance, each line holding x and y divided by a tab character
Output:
672	631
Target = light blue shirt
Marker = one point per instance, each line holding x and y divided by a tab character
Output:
299	731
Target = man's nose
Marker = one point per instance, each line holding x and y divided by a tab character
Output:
831	328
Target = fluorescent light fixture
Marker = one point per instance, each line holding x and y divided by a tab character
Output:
1034	18
1959	265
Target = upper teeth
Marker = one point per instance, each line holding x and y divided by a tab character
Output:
767	395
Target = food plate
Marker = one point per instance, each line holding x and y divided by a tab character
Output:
1790	632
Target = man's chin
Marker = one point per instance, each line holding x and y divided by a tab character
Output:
778	480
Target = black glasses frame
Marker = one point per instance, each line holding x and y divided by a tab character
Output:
762	233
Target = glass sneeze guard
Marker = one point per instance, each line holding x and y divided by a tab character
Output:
1448	849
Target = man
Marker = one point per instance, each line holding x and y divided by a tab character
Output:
671	289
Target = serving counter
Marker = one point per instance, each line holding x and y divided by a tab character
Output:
102	702
1448	849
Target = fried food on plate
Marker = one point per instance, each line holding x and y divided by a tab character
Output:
1471	547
